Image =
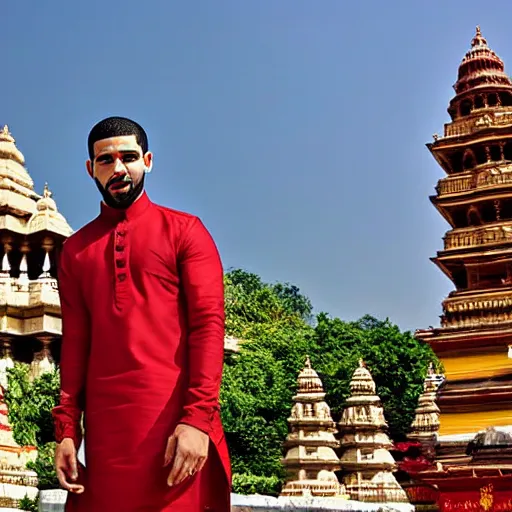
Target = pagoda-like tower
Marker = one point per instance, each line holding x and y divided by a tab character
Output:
31	231
310	460
366	461
425	425
475	198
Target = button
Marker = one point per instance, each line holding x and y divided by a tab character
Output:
120	263
121	277
119	248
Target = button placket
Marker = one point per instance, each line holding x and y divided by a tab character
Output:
121	252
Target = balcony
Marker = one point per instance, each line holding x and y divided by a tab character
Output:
451	185
490	234
486	119
480	303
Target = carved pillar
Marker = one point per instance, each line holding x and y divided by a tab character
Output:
6	266
502	150
488	153
23	277
497	208
48	245
43	361
6	360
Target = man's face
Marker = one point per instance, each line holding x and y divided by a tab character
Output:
118	165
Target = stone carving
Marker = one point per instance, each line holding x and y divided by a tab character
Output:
366	461
311	461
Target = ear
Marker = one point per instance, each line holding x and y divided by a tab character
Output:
148	161
90	170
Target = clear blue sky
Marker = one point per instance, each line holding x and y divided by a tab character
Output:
295	129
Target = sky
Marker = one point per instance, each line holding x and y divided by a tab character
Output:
294	129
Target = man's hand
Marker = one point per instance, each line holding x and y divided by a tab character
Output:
66	466
187	448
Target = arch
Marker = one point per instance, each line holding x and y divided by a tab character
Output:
465	107
474	218
468	159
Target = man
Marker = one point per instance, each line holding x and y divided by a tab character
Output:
141	290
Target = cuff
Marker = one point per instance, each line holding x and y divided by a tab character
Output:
67	426
202	419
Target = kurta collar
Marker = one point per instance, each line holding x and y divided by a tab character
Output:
131	213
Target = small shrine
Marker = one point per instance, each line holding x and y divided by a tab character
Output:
425	425
366	461
311	460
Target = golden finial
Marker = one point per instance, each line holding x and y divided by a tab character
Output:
5	130
46	191
308	362
478	39
361	364
431	368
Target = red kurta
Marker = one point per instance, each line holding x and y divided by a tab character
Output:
142	350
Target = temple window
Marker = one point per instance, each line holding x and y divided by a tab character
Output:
495	153
469	160
465	107
492	99
479	102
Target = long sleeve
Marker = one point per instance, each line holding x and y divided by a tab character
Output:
203	284
74	353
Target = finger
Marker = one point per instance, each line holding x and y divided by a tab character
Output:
179	460
202	462
170	450
186	470
72	464
74	488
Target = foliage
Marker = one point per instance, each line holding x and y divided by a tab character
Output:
274	325
30	405
28	504
251	484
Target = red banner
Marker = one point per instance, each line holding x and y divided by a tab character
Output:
486	499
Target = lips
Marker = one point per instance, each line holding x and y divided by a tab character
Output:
119	183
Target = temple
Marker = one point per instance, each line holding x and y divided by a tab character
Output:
470	467
425	426
475	337
31	231
311	460
366	461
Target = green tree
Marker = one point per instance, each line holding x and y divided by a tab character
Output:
276	330
30	405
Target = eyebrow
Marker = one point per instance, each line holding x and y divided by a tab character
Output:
122	151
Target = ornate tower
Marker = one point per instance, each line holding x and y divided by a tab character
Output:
425	425
311	460
31	230
475	198
366	462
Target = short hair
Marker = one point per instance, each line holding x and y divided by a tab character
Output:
116	127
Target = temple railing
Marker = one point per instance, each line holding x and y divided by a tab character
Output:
482	319
453	185
470	125
482	235
496	302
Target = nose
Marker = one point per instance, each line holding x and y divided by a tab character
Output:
119	167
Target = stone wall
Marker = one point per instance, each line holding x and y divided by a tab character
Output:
53	501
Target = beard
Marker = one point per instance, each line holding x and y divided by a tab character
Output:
123	200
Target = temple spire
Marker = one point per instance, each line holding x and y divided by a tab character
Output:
366	461
310	460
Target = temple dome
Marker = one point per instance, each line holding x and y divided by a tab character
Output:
480	67
309	381
12	164
362	382
47	217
